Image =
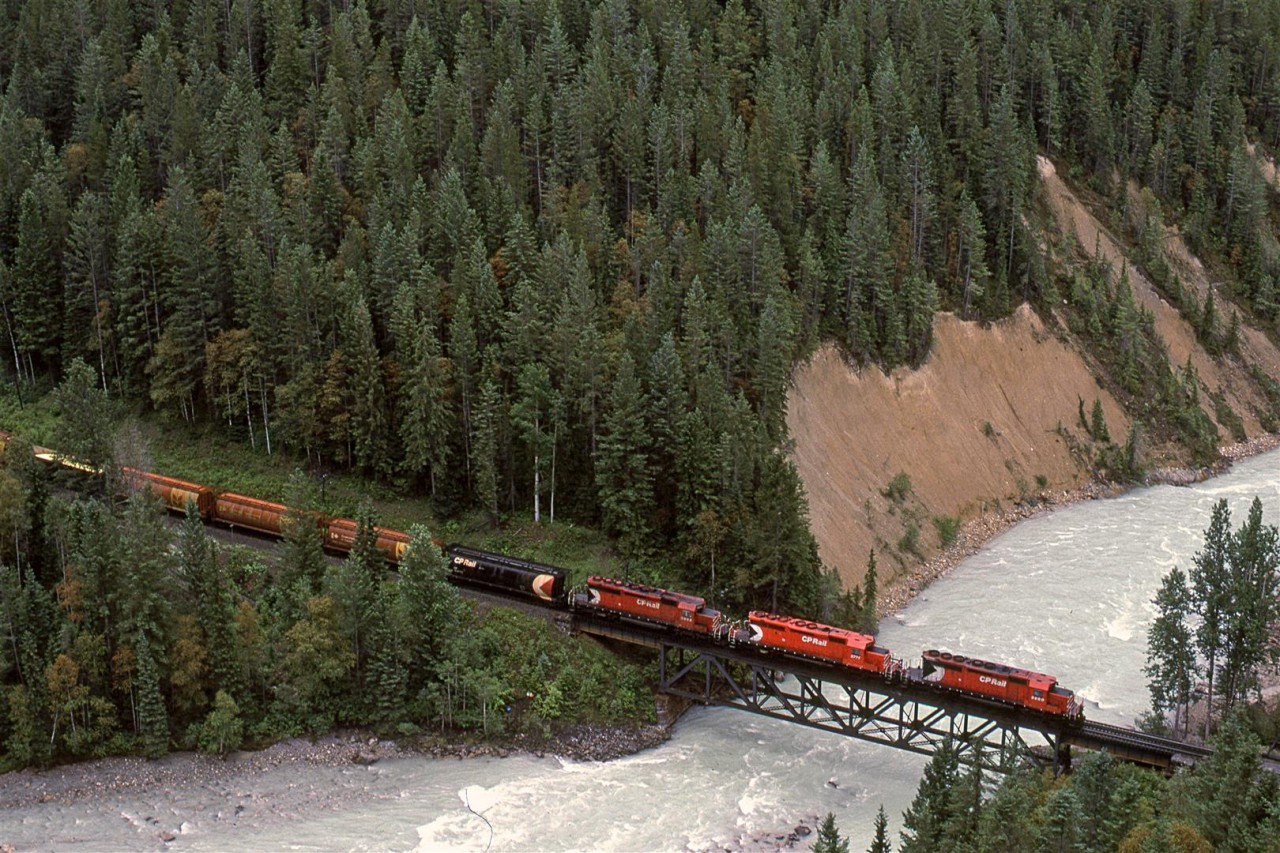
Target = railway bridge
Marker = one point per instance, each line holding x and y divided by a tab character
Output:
905	716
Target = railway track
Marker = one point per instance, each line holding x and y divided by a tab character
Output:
1138	747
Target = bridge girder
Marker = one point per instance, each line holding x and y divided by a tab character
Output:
870	712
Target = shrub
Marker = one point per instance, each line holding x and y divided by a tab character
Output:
910	541
948	527
899	487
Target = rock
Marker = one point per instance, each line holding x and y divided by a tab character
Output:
802	831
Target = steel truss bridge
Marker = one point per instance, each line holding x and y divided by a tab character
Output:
906	716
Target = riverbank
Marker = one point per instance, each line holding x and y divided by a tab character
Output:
131	775
979	531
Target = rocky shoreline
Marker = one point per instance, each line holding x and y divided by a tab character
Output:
125	775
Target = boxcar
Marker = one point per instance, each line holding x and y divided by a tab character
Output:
1033	690
816	640
653	604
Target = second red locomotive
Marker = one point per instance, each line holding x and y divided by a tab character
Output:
825	642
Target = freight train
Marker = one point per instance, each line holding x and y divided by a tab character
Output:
768	633
232	510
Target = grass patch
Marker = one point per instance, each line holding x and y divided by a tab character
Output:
948	527
910	541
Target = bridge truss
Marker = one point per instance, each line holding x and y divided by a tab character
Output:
869	710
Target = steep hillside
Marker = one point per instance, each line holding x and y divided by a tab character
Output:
991	421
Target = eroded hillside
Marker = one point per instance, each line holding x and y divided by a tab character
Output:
993	417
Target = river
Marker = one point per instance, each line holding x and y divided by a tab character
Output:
1068	593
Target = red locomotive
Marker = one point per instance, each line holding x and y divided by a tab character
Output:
1033	690
816	640
653	604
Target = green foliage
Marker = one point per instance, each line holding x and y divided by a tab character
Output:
899	487
828	838
948	527
909	543
223	730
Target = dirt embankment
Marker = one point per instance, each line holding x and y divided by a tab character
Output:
987	424
988	430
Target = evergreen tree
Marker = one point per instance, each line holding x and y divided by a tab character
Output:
153	719
868	620
829	839
880	843
1210	589
1254	604
622	467
1171	663
926	821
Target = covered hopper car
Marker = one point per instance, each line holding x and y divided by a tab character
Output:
340	535
473	567
174	494
242	511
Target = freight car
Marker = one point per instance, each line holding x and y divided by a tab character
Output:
822	642
652	604
242	511
340	535
1011	685
174	494
472	567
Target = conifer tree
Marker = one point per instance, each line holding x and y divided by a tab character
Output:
1210	589
829	839
925	823
153	719
880	843
1171	664
622	467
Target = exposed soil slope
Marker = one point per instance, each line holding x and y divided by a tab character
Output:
989	422
973	429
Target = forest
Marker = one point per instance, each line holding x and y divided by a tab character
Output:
548	259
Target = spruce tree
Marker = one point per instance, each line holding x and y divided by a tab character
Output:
829	839
622	467
153	719
880	843
1210	589
925	823
1171	663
